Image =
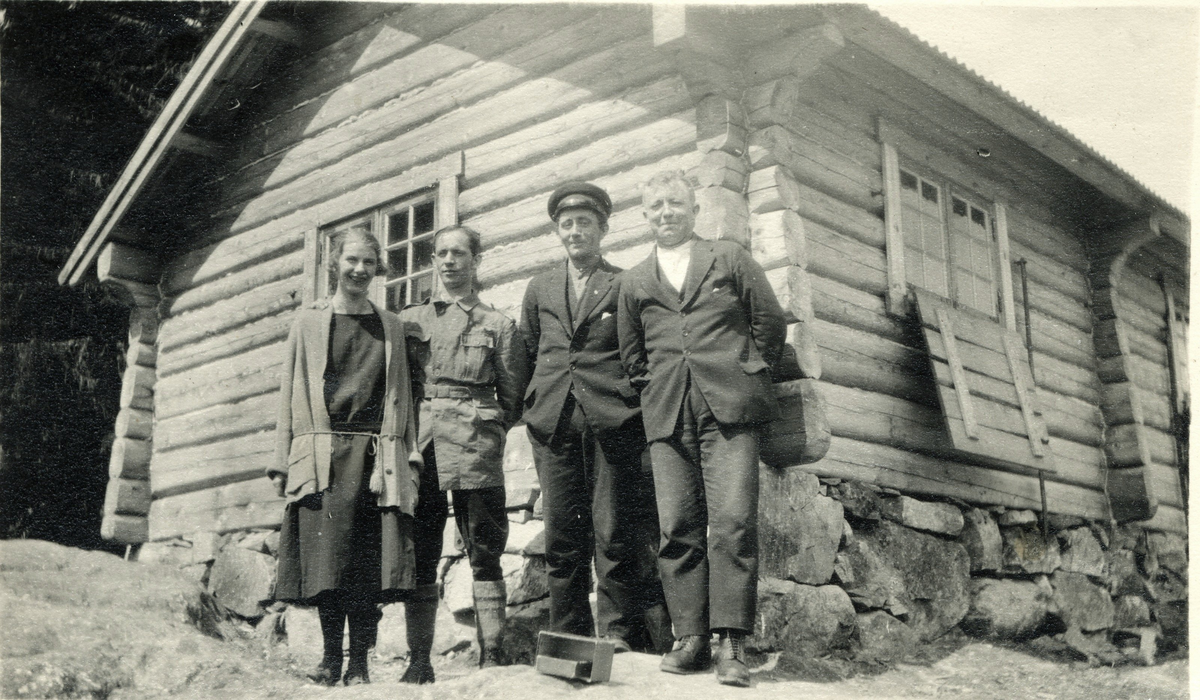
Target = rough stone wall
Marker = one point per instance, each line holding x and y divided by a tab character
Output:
846	567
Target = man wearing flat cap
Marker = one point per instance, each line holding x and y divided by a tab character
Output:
585	424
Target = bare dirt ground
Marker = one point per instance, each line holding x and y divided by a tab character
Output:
85	624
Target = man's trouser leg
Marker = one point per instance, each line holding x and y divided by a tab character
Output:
623	500
706	484
566	478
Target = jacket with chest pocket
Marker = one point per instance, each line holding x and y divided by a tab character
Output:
469	373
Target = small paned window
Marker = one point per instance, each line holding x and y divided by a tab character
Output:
405	231
949	242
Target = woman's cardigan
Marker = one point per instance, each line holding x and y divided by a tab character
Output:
303	441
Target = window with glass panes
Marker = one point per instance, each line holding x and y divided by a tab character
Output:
948	242
405	231
408	249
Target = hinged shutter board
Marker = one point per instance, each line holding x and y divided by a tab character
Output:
986	390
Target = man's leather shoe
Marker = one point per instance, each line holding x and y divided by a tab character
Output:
692	654
731	659
620	646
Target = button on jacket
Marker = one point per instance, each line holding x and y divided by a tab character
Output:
468	363
721	334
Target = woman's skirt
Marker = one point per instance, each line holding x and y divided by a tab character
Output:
339	543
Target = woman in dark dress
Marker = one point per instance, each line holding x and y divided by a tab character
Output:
345	460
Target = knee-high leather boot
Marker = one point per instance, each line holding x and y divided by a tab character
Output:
333	627
490	602
420	615
364	627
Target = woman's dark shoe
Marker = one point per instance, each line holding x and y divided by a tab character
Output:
692	654
356	674
419	671
328	672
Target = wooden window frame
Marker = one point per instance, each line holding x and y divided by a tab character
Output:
442	191
900	151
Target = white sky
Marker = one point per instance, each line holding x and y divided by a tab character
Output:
1122	79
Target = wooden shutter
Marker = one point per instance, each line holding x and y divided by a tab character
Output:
984	385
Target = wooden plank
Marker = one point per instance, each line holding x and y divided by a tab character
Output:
366	48
144	354
1128	445
215	260
1007	306
242	339
174	394
778	238
1164	479
217	422
1068	281
120	261
246	448
137	388
961	389
842	304
447	51
888	420
125	529
921	474
799	54
222	509
183	101
848	260
620	151
1166	519
898	286
385	136
215	384
801	435
210	473
134	423
127	497
1131	494
230	313
817	166
129	459
1022	382
864	360
234	284
844	218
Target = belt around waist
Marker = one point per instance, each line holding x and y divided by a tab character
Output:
445	391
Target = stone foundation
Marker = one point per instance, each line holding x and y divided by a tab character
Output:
846	567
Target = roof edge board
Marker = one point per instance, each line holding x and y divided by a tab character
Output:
154	144
868	29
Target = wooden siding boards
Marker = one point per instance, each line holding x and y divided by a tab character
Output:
582	93
960	341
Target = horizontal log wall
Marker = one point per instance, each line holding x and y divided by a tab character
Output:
522	97
814	152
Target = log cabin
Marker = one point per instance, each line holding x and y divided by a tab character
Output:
982	308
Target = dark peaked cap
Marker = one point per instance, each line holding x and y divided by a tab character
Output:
579	195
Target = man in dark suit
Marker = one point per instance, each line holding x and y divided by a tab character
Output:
585	425
699	328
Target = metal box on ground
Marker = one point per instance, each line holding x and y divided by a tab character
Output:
574	657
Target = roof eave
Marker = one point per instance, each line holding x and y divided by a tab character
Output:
158	139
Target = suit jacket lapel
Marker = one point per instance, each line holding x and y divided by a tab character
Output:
594	292
556	297
698	266
653	283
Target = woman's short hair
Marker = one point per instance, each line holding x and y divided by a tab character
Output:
337	243
474	241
